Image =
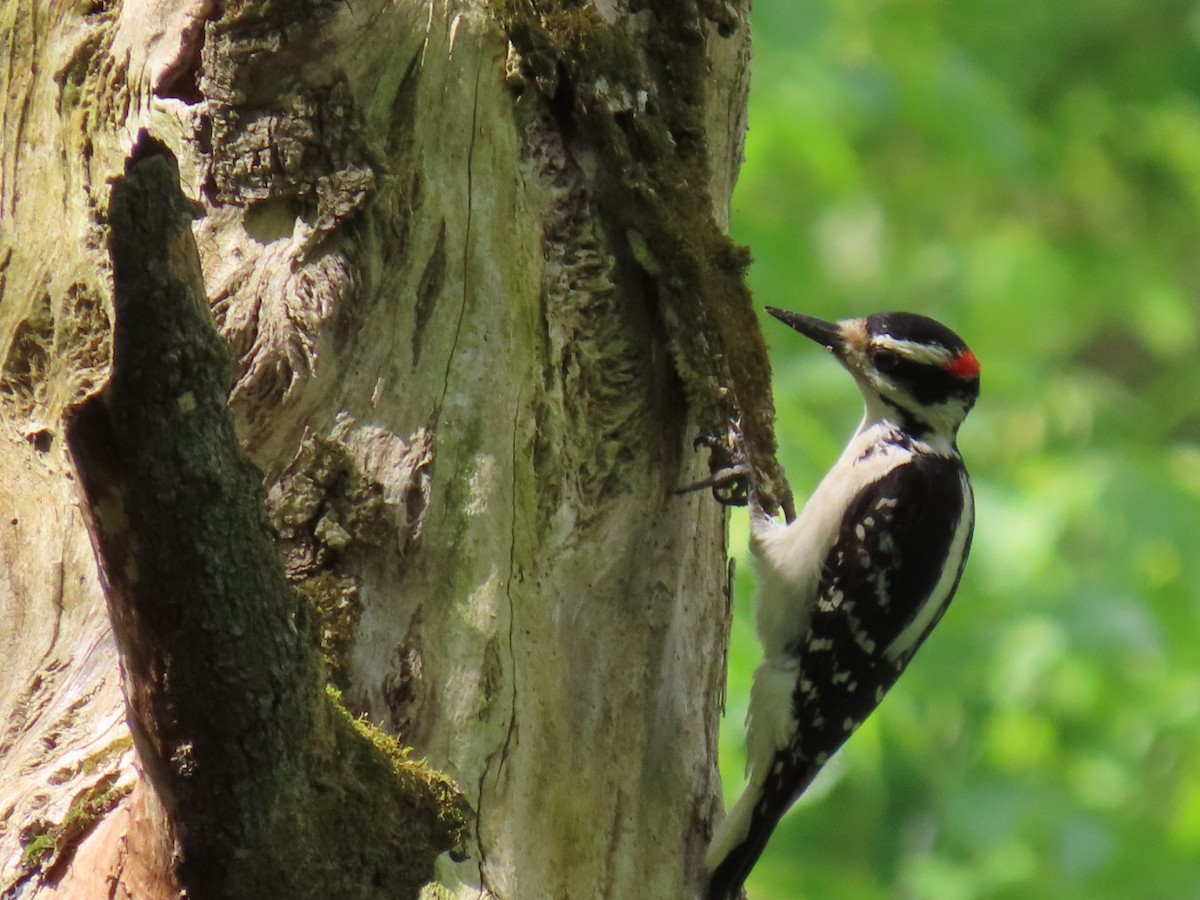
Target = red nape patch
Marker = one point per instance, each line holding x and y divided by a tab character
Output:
965	365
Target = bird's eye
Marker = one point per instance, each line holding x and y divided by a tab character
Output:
885	360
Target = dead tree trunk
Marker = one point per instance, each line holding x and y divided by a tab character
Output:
468	259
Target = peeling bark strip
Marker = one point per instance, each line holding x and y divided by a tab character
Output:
271	788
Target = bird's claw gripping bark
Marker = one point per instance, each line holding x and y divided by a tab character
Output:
731	476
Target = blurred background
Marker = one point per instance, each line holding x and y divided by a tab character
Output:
1029	173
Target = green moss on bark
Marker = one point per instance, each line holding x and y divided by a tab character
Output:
637	89
47	844
369	817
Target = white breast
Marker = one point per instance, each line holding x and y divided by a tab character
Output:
788	558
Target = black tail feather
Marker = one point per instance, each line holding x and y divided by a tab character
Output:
790	777
727	878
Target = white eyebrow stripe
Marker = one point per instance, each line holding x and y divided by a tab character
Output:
921	353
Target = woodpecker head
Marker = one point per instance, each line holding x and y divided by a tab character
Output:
910	368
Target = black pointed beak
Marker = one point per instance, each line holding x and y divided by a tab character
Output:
827	334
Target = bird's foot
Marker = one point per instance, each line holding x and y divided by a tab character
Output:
731	475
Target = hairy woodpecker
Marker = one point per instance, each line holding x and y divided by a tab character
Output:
851	587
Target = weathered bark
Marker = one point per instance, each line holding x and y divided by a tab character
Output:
271	789
468	261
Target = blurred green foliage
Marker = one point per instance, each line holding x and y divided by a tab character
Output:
1030	174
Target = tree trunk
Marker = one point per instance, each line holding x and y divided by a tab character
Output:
468	260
